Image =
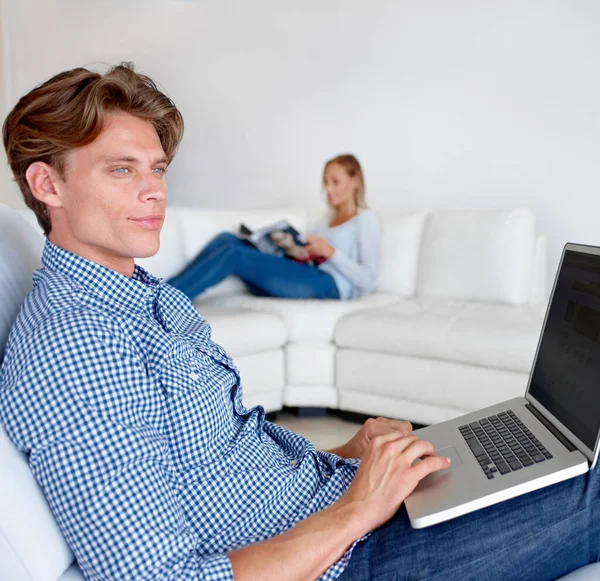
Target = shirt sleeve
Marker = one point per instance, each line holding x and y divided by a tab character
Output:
363	272
84	408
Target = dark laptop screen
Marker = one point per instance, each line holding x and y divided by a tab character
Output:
567	370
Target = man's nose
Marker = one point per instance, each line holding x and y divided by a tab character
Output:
153	187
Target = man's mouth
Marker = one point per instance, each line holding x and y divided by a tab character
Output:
151	222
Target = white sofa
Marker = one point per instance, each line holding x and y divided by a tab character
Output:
452	327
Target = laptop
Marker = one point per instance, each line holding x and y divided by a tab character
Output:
547	436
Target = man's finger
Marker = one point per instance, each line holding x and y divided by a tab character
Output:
396	439
429	465
418	449
400	425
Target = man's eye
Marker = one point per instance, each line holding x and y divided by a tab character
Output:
160	170
121	170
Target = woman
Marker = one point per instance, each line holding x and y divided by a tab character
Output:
347	241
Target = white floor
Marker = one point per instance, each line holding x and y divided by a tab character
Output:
324	432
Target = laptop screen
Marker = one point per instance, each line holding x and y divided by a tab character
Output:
566	376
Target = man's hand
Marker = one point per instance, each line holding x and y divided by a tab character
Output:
358	445
318	246
386	476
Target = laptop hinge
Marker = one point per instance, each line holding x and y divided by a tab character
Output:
565	442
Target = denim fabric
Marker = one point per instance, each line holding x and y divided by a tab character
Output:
535	537
263	274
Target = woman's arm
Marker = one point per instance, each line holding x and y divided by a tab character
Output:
363	272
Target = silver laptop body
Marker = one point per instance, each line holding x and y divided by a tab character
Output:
560	411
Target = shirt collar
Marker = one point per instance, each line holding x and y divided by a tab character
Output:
102	282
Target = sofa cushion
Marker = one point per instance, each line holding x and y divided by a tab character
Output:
243	332
31	545
590	572
477	255
73	573
304	319
400	245
496	336
20	252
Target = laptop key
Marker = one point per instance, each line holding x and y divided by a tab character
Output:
538	458
503	468
527	462
516	465
547	455
475	446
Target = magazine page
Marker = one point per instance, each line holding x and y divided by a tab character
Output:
280	239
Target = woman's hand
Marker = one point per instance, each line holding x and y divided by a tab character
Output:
373	427
318	246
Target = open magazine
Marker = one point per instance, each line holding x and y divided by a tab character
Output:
280	239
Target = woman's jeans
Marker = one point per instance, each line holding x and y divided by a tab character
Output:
535	537
263	274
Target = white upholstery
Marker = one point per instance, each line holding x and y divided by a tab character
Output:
401	235
487	335
73	573
321	370
305	319
419	389
477	255
31	545
230	329
590	572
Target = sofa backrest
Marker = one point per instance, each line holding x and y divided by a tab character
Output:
475	255
485	256
31	545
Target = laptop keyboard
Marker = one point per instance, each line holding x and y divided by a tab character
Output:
503	444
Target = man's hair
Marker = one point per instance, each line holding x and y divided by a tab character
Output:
67	112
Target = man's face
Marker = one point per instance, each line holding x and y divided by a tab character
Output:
113	195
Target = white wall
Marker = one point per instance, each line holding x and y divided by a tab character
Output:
9	193
468	103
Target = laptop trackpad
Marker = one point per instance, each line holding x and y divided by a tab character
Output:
451	452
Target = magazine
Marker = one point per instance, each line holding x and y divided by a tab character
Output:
280	239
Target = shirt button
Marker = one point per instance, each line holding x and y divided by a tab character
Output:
293	463
149	291
193	376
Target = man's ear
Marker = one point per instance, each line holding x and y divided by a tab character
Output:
43	180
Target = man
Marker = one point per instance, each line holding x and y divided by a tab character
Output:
133	420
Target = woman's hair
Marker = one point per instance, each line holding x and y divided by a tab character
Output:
67	112
353	169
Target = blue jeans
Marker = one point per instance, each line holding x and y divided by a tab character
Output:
535	537
263	274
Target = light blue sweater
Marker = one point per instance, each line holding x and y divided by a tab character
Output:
355	264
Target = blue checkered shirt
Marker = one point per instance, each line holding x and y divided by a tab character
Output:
134	425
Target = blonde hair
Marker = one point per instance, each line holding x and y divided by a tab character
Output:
352	168
67	112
